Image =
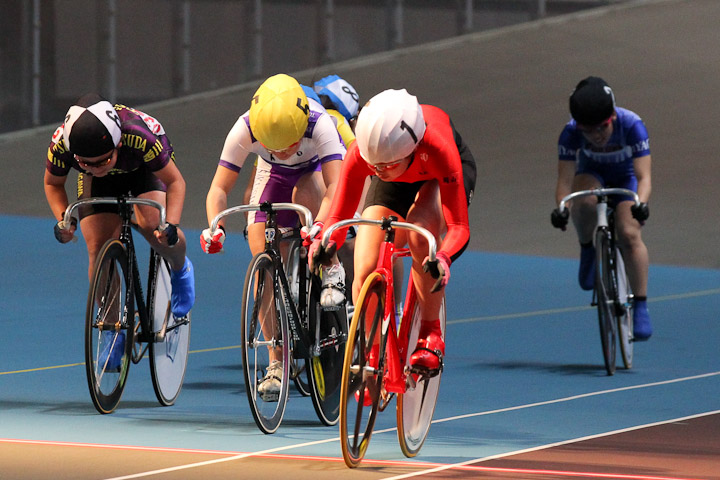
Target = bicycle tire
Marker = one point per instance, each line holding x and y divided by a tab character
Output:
298	369
326	372
624	311
168	357
260	281
605	296
415	407
110	301
357	419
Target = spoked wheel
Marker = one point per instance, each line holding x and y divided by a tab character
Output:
169	350
605	292
416	406
264	342
328	333
362	381
298	368
624	311
109	321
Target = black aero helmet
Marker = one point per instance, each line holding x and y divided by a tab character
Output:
92	127
592	102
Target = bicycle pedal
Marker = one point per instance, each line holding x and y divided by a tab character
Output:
420	374
333	308
269	397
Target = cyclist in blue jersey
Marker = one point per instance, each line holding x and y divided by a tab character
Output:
605	146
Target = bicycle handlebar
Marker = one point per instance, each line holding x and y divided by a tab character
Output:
67	217
432	244
599	192
300	209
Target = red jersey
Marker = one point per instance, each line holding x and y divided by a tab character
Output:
436	157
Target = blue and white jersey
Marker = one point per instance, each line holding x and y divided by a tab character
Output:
321	143
628	141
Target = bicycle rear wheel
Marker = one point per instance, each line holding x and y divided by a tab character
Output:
605	292
168	356
299	371
362	382
624	311
416	406
109	319
328	333
264	327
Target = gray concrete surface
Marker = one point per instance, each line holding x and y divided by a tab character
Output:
506	91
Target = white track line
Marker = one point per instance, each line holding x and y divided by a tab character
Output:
455	418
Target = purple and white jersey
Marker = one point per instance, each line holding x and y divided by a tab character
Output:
628	141
321	143
143	143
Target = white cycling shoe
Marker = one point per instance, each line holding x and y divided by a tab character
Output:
269	388
332	295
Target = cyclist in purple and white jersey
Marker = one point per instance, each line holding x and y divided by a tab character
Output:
299	160
606	146
120	150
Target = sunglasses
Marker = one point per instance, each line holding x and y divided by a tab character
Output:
381	167
284	150
595	128
98	164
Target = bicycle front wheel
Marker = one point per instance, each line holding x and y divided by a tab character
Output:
624	311
416	406
362	376
109	320
264	342
605	292
328	334
171	342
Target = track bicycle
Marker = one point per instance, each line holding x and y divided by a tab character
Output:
281	318
118	315
369	384
612	294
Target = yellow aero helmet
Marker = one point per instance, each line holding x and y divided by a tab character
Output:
279	112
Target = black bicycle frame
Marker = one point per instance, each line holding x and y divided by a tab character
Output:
296	313
126	238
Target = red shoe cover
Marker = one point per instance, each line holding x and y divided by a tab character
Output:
430	347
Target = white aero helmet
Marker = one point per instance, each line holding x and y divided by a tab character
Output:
389	126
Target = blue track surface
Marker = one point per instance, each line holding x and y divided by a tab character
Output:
523	367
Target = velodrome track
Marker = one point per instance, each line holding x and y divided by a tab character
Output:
524	394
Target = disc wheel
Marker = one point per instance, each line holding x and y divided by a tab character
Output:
264	339
416	406
169	350
605	294
624	312
109	330
362	381
328	334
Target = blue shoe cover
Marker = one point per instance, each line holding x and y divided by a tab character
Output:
183	290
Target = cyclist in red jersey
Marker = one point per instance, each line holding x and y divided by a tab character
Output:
422	172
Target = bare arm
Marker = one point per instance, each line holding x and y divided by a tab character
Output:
173	179
331	175
642	172
566	173
55	194
222	184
